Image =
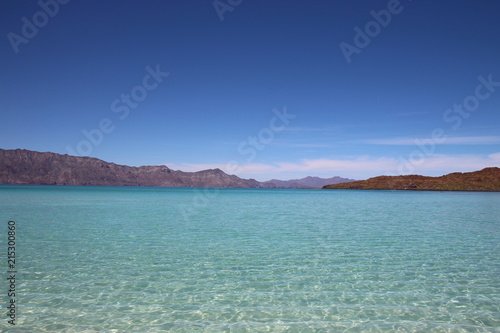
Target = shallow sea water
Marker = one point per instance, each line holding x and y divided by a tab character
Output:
118	259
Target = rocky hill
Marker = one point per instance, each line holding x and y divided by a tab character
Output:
307	182
31	167
487	179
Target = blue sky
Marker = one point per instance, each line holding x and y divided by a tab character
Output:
261	89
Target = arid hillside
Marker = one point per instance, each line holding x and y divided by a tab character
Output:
30	167
487	179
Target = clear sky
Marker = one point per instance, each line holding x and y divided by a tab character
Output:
262	89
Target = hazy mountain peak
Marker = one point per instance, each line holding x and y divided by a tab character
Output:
309	181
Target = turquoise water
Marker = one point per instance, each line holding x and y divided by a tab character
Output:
109	259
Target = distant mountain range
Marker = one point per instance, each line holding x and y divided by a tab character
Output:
31	167
487	179
308	182
21	166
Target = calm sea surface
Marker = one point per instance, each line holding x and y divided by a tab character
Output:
110	259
